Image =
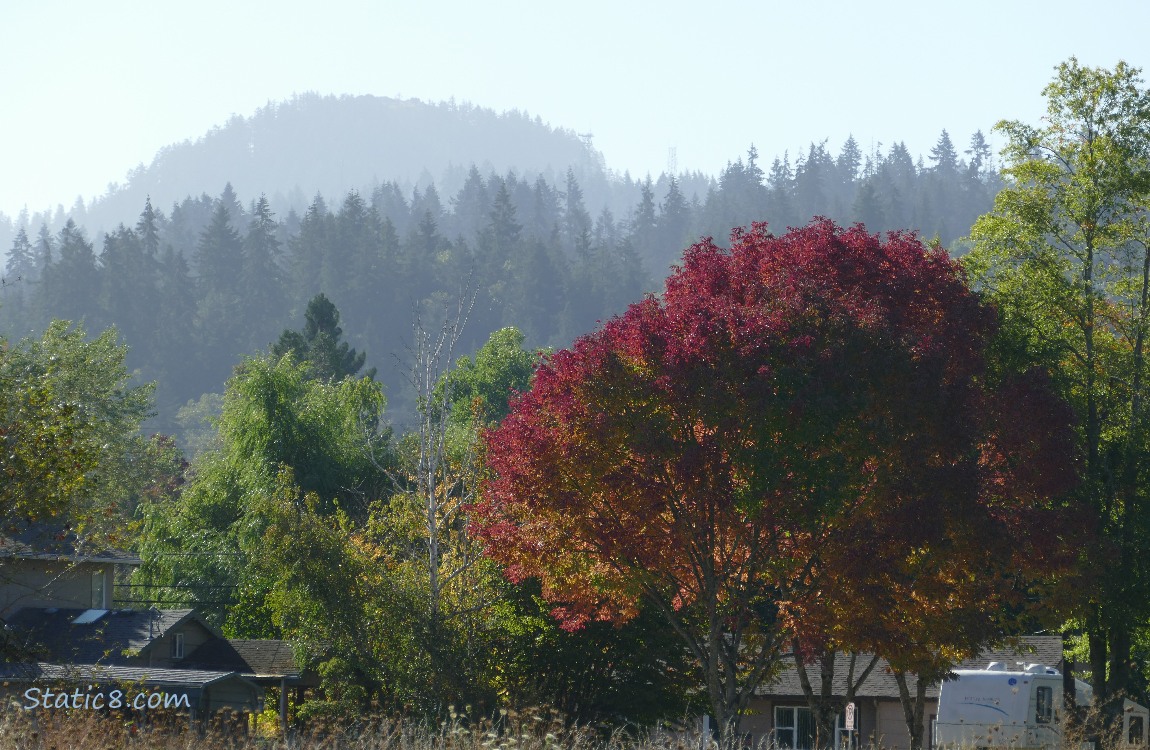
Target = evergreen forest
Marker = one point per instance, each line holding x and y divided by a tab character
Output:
195	287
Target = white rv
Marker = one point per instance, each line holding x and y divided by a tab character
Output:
1001	708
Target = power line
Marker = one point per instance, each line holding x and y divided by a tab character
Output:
180	585
198	603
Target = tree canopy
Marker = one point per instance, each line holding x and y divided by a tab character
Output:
280	432
795	419
1065	254
72	457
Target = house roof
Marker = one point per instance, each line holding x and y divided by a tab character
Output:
258	658
196	678
40	543
880	683
105	640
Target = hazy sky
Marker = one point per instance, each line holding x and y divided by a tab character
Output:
89	89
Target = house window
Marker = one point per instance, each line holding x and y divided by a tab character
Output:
98	590
177	645
794	728
1044	703
1137	732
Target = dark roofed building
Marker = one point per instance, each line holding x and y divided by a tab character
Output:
59	626
197	691
267	661
37	545
127	637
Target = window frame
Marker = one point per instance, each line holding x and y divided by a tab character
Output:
1044	704
793	726
1136	720
99	589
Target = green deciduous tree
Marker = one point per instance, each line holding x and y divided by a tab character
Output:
482	386
275	417
1066	256
69	420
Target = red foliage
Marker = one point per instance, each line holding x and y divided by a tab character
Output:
799	420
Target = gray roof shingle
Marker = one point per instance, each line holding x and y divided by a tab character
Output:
39	544
261	658
108	673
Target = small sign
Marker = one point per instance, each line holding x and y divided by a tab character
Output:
849	719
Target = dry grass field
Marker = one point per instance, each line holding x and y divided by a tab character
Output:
531	731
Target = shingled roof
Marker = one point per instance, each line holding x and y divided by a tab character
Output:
42	543
241	695
881	683
263	661
151	676
108	639
260	658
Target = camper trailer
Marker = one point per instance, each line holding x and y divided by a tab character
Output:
1018	708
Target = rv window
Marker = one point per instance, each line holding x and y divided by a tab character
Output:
1044	712
1137	730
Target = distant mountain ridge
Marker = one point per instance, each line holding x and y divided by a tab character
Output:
332	144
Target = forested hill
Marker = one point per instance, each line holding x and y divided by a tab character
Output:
194	289
292	150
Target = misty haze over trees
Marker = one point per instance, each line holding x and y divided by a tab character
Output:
551	240
818	445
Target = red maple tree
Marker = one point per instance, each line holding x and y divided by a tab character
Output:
788	425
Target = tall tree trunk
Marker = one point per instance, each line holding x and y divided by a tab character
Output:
1072	721
732	668
825	706
913	707
1095	622
1096	640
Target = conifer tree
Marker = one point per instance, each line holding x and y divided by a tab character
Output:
21	258
545	209
128	289
471	206
21	274
264	301
308	249
320	344
576	220
180	378
673	226
220	295
780	196
71	286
